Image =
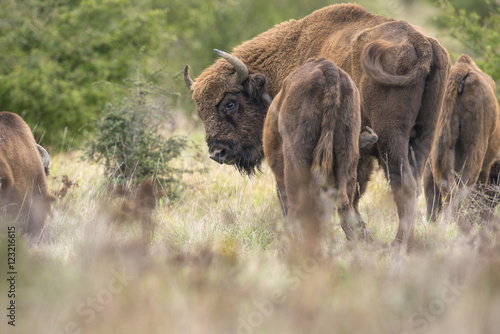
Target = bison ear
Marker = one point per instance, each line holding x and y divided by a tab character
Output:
254	86
258	80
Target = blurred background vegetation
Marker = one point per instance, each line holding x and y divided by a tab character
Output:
57	53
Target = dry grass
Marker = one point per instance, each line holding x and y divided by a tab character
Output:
218	262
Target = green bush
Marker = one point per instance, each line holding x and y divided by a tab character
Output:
54	51
480	7
479	35
130	139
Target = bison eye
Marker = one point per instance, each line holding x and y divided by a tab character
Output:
231	107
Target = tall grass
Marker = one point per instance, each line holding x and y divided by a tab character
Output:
218	261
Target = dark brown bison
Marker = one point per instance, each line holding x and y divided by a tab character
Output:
468	139
312	127
24	193
493	189
400	73
495	173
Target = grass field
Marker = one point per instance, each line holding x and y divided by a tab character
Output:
218	261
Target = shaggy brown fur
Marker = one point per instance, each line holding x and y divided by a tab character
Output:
312	127
400	73
469	137
23	185
495	173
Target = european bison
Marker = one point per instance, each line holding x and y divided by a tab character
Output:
400	73
468	140
494	178
493	189
312	127
24	193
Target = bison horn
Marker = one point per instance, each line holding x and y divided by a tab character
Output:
241	69
45	156
187	80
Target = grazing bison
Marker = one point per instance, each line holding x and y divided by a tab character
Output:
468	139
24	193
312	127
400	73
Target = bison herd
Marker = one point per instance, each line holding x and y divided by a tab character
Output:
307	93
322	99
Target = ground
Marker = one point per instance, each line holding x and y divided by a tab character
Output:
218	261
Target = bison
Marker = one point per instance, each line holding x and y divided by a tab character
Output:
468	140
312	127
494	178
400	73
24	194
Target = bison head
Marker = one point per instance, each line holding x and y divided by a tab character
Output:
232	104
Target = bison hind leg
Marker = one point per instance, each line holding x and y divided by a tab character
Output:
352	223
305	213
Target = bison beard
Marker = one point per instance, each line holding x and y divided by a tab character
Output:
400	73
249	160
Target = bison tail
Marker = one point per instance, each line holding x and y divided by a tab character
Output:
323	155
337	147
371	61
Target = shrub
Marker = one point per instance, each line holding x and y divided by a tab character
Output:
130	138
53	51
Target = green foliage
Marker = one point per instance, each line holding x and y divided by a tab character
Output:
129	137
480	35
201	26
53	52
480	7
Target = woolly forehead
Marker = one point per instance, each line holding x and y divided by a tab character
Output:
466	66
465	59
212	84
459	71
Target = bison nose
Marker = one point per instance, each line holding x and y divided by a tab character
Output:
219	156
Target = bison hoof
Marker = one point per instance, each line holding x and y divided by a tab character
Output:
365	235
